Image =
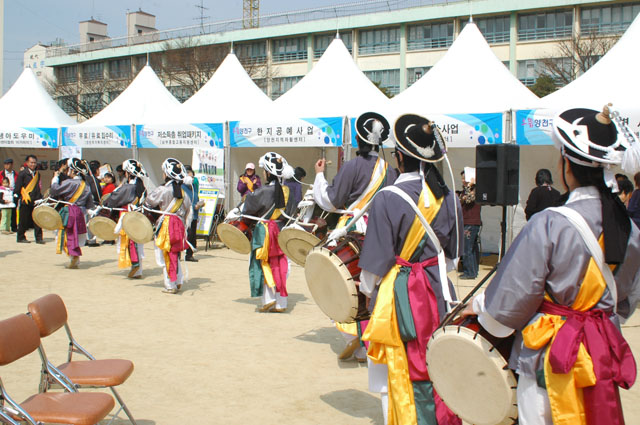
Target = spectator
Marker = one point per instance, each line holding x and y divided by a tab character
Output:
248	181
543	195
625	189
6	206
9	173
634	202
295	184
191	187
109	184
27	192
120	173
472	221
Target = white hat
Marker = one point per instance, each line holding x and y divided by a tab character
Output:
134	168
174	169
275	164
250	166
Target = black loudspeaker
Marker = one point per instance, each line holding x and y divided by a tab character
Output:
497	174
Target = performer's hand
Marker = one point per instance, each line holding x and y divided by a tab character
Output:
320	166
468	309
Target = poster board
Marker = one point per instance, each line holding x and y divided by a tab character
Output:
210	196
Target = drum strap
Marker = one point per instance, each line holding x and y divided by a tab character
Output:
594	248
442	264
78	192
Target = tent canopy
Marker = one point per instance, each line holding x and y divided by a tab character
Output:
230	94
334	87
468	79
611	79
27	104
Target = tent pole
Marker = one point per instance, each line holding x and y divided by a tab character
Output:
227	166
134	143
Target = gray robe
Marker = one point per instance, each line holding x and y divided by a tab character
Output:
160	199
550	255
262	201
390	218
65	191
121	196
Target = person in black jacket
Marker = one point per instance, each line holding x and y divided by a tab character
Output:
27	192
543	196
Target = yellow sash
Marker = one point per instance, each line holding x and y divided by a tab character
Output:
246	180
385	343
262	253
565	390
369	194
26	191
78	192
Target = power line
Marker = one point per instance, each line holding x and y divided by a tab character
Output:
202	17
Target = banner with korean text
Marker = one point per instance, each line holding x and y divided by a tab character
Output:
180	136
303	132
110	136
208	167
29	137
460	130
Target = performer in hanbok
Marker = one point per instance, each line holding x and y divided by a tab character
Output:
404	273
567	280
351	190
171	234
129	195
76	194
268	266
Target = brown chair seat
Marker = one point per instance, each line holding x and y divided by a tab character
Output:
99	373
69	408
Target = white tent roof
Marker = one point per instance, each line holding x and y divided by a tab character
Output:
334	87
145	101
230	94
27	104
614	78
468	79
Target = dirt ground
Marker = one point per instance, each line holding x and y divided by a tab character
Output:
204	356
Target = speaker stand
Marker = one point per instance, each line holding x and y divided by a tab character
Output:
503	233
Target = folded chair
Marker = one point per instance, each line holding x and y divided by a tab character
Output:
50	314
19	336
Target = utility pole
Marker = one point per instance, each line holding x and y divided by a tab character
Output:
202	17
251	14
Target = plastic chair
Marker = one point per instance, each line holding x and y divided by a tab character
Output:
50	314
18	337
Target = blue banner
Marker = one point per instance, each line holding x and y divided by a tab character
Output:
180	136
534	126
316	132
109	136
29	137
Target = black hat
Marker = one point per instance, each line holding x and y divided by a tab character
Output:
372	128
420	138
8	161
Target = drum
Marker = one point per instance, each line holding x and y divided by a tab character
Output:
103	225
236	235
139	227
297	240
468	368
331	273
47	217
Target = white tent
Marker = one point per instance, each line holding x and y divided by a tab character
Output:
27	104
614	78
229	94
334	87
468	79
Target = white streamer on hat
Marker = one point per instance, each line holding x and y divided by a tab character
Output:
375	135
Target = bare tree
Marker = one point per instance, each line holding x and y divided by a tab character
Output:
574	56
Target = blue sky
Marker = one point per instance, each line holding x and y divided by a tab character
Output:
27	22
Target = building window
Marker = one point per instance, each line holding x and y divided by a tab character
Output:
67	103
381	40
414	74
92	102
181	93
387	79
111	96
262	83
120	68
280	86
251	52
530	70
321	42
140	62
430	36
615	18
289	49
67	74
496	29
93	71
540	26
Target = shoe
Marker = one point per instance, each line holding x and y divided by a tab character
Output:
6	232
267	307
361	359
170	291
40	242
137	277
463	277
348	351
133	271
279	310
194	260
23	241
92	244
73	264
179	286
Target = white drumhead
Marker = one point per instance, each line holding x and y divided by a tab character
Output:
103	228
331	285
234	239
296	244
471	377
137	226
47	217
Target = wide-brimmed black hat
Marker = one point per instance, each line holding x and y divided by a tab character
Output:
420	138
373	128
587	141
78	165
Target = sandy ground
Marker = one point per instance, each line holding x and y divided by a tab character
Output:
204	356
